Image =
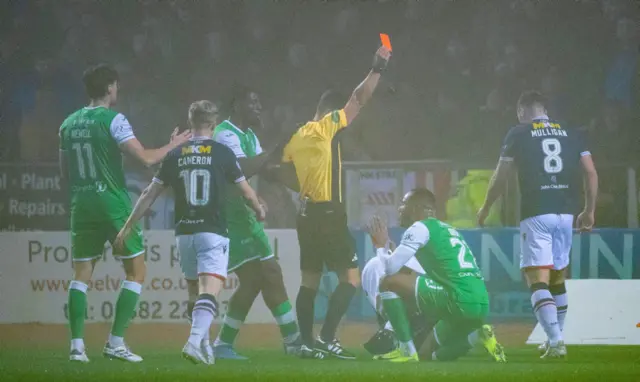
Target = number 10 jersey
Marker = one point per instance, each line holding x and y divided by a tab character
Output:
199	173
547	158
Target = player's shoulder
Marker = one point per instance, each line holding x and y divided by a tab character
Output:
221	148
313	126
223	127
70	119
416	229
334	117
225	133
519	128
105	114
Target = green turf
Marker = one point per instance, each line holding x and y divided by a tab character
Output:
603	364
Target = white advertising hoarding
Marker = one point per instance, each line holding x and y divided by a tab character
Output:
35	269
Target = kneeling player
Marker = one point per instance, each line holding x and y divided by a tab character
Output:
199	172
451	293
384	345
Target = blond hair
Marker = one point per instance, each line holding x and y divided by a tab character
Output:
202	113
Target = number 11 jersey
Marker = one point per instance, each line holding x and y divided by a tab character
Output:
199	172
547	158
90	139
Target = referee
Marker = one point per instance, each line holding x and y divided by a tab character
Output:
322	220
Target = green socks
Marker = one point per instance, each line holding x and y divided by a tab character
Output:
125	308
286	321
77	307
233	320
397	313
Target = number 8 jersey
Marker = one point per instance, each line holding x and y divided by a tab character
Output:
547	157
90	139
199	172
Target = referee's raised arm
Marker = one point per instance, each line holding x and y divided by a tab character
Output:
363	92
323	234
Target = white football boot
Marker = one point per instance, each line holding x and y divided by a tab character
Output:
121	353
78	356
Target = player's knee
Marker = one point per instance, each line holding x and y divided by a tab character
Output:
350	276
557	289
192	289
137	275
82	271
272	274
135	269
537	275
557	277
538	286
310	280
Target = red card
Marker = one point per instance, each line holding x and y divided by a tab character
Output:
386	42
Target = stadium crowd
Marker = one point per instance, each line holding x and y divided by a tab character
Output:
457	70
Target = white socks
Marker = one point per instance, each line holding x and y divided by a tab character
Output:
559	293
544	307
115	341
203	312
77	344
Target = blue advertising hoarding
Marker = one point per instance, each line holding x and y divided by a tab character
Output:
604	253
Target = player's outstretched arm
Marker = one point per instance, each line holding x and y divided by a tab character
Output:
284	173
363	92
252	197
252	166
586	219
496	187
150	157
145	201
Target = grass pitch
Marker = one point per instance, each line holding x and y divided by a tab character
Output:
40	353
584	364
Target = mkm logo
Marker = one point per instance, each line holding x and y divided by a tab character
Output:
196	149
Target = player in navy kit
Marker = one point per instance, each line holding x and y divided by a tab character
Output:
199	171
551	162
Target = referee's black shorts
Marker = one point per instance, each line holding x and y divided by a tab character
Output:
325	239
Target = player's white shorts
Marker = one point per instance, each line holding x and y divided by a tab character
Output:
545	241
203	253
373	272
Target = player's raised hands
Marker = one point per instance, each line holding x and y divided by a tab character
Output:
381	59
585	221
178	138
378	231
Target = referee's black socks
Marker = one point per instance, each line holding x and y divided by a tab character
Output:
338	305
304	310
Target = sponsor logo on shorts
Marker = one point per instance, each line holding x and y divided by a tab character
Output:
407	236
524	236
355	257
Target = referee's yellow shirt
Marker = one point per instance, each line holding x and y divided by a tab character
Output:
315	153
